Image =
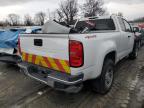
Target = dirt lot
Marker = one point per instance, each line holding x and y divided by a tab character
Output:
19	91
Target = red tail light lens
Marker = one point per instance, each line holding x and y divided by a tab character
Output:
19	47
76	55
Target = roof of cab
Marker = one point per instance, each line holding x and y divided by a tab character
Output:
98	17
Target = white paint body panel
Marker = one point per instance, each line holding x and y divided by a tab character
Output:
95	48
53	46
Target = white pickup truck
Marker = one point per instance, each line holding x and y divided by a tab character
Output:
89	52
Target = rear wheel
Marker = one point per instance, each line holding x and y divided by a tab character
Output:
103	84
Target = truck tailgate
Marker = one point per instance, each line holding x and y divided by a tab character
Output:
46	50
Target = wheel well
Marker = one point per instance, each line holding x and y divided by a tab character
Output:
111	55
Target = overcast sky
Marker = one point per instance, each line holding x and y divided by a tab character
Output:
130	8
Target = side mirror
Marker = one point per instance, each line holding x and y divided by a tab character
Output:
135	29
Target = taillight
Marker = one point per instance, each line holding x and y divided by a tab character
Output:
76	55
19	47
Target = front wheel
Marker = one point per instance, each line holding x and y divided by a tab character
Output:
134	54
103	84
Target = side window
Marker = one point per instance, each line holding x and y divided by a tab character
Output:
127	26
122	24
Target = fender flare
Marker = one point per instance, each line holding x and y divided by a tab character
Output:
106	49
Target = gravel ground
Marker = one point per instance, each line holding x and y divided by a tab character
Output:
19	91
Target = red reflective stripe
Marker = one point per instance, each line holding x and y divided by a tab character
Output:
47	62
67	62
59	65
26	57
33	58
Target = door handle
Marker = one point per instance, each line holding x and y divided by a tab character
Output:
129	36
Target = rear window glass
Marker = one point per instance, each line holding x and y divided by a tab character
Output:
95	25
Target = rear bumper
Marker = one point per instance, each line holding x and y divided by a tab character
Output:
58	80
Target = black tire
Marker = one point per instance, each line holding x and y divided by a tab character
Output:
101	84
133	55
139	46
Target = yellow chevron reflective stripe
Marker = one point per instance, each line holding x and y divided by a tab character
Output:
48	62
23	56
64	64
53	64
30	58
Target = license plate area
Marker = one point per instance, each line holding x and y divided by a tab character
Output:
41	72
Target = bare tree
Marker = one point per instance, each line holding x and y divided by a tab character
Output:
56	15
93	8
40	18
68	10
28	20
14	19
60	15
4	23
1	23
53	15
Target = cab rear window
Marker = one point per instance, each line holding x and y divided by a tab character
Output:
95	25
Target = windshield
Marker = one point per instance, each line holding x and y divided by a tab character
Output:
95	25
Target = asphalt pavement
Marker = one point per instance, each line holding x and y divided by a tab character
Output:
20	91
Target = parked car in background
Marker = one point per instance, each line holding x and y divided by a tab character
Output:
64	58
33	30
2	30
8	43
142	36
138	36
